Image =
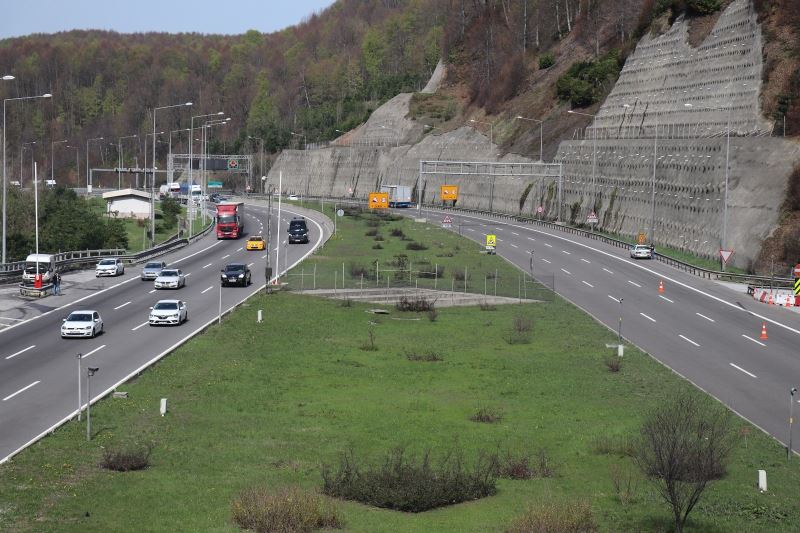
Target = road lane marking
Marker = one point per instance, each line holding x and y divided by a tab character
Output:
616	300
566	272
607	270
206	290
565	252
250	264
23	389
752	339
32	346
648	318
9	318
226	256
264	256
531	239
84	356
586	260
470	229
587	283
545	260
548	245
634	284
687	339
515	233
121	306
208	265
704	316
515	246
140	325
187	275
151	292
665	298
740	369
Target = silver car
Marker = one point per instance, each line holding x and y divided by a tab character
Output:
642	251
169	313
109	267
152	269
86	323
170	278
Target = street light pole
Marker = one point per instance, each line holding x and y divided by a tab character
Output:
153	179
791	421
5	179
21	153
89	373
261	152
121	159
52	157
88	183
594	158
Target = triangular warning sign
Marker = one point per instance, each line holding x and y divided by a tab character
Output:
725	255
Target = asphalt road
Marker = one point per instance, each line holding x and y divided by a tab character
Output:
701	329
39	369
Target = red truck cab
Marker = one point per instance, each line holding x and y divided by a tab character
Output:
230	220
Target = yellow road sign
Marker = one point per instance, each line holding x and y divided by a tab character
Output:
449	192
491	240
379	200
797	286
642	238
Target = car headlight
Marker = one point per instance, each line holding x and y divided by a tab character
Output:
87	327
241	275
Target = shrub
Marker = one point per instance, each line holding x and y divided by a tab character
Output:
377	246
397	232
410	484
371	233
433	314
373	222
370	346
127	459
356	271
702	7
546	61
487	415
585	81
429	271
429	356
555	517
521	467
625	483
614	363
460	275
378	238
346	302
413	245
417	305
485	306
288	509
520	332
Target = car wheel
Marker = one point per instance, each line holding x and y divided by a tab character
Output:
94	333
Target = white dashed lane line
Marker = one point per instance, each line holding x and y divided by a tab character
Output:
151	292
531	239
515	233
607	270
585	260
634	284
567	272
704	316
740	369
31	347
587	283
226	256
264	256
648	318
515	246
208	265
565	252
665	298
23	389
548	245
545	260
615	299
206	290
250	264
84	356
139	326
121	306
752	339
687	339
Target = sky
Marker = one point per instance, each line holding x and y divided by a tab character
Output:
20	17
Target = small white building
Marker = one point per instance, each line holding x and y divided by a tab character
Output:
128	203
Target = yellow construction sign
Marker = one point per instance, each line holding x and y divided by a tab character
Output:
379	200
449	192
491	240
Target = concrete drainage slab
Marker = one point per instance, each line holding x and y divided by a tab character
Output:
392	296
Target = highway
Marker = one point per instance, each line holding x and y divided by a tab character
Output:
39	369
701	329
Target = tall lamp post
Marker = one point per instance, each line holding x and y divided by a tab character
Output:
121	158
204	180
541	136
169	176
5	179
153	180
192	139
53	158
89	373
21	152
594	157
723	243
792	391
88	182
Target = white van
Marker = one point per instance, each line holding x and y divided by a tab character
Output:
196	194
44	263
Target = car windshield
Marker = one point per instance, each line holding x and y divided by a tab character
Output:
169	273
256	239
234	268
166	305
153	265
80	317
107	262
226	219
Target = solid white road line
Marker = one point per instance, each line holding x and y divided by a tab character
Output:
206	290
23	389
32	346
208	265
665	298
587	283
616	300
567	272
226	256
687	339
545	260
737	367
139	326
264	256
250	264
84	356
634	284
585	260
704	316
752	339
648	318
121	306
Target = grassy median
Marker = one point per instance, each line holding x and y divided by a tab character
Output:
267	405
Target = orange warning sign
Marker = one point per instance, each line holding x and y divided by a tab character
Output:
379	200
449	192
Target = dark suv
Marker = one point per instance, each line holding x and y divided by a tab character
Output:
298	231
235	274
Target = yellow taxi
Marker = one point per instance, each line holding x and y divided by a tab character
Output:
256	242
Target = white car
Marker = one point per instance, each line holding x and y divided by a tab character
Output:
292	197
109	267
85	323
642	251
170	278
168	312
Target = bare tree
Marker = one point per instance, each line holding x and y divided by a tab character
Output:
685	445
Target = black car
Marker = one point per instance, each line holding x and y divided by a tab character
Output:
235	274
298	231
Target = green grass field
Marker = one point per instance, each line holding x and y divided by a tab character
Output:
267	404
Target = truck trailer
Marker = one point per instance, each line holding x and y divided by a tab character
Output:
230	220
399	195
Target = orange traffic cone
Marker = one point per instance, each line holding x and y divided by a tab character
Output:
789	301
763	336
661	286
771	301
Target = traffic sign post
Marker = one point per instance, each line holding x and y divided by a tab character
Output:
592	219
725	255
447	222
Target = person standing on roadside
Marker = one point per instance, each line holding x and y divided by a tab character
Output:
56	283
